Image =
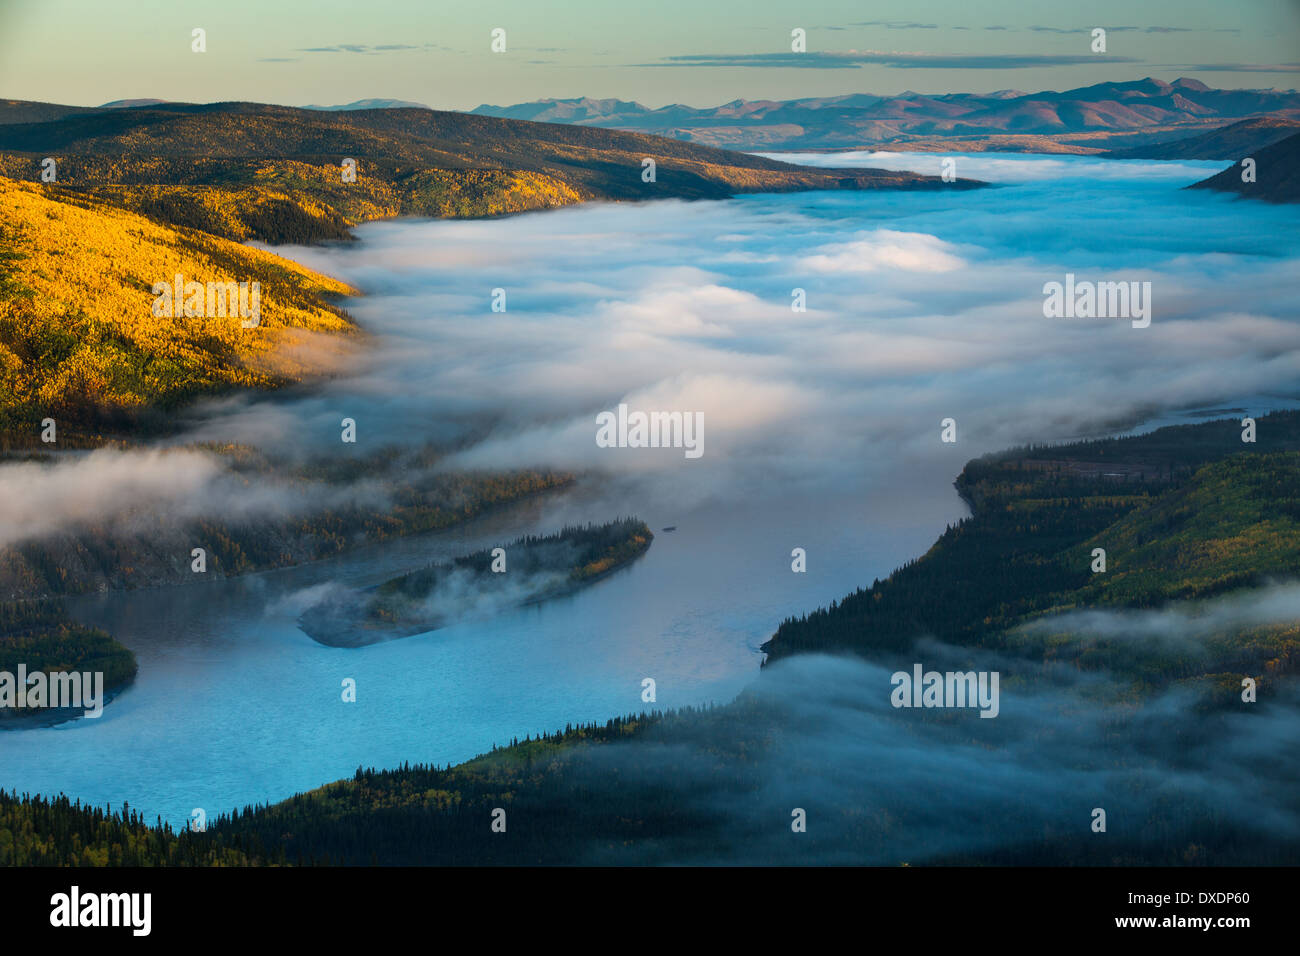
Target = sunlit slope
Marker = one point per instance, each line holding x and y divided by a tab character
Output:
78	338
285	200
1234	524
409	161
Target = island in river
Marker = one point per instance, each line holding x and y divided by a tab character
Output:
526	571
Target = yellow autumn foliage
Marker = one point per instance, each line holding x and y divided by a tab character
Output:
78	336
288	200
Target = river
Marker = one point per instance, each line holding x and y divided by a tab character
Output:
823	434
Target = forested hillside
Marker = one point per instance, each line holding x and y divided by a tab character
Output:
80	340
154	549
1173	524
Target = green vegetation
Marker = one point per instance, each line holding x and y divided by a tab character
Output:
288	200
577	553
38	635
1174	524
35	831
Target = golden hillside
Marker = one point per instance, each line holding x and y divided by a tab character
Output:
79	340
292	201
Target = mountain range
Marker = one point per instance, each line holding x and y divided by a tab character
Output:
1103	115
374	103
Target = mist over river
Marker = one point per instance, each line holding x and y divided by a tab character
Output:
822	432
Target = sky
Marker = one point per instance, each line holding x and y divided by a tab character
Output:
300	52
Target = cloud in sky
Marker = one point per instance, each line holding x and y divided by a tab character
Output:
1239	67
853	59
365	48
896	25
1151	29
1080	29
911	25
398	49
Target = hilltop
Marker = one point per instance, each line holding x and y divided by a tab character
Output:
410	161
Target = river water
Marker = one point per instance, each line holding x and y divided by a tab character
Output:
823	433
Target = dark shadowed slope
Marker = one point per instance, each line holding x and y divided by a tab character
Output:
1277	174
1230	142
28	111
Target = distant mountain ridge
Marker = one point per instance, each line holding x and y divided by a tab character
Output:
130	104
858	119
370	104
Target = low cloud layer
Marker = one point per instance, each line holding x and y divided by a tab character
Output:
131	491
919	307
1180	627
884	786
